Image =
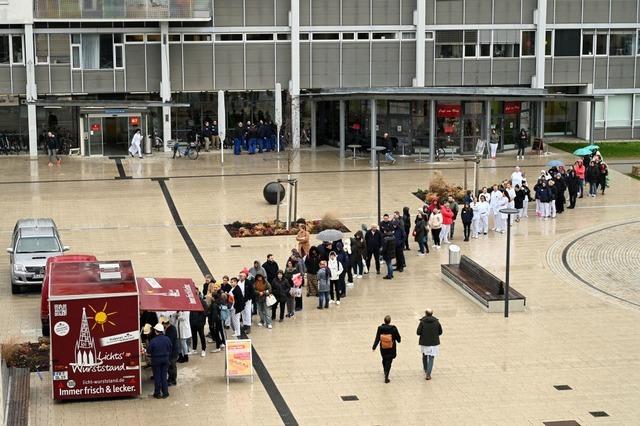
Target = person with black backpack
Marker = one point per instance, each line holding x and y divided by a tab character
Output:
387	336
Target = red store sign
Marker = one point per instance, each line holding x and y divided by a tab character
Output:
449	111
512	107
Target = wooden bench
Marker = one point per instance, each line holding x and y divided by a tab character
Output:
481	286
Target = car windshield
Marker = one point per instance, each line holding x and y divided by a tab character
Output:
37	245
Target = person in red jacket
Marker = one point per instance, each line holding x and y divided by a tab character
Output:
580	170
447	220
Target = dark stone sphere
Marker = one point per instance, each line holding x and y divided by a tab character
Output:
270	192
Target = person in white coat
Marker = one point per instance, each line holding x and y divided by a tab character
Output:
493	203
503	203
483	209
184	333
136	141
336	270
511	192
475	222
516	177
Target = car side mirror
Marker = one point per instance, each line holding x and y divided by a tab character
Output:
9	250
66	248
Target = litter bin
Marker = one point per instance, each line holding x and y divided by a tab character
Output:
454	254
147	145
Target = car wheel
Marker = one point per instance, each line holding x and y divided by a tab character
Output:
15	288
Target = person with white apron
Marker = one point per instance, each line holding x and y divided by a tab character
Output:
136	140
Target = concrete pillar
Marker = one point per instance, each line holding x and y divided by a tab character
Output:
432	131
540	19
165	83
592	122
31	90
541	119
374	133
420	22
343	126
294	86
313	125
487	123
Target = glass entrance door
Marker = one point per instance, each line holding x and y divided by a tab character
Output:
95	135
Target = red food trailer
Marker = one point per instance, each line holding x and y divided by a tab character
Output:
94	328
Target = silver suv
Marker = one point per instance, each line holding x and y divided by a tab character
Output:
32	243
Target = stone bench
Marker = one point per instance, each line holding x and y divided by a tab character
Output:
481	286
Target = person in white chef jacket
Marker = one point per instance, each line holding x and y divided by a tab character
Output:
136	140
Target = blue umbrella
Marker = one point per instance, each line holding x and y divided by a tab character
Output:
582	152
592	147
555	163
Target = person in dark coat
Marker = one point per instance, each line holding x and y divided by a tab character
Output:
160	350
358	250
429	331
592	176
604	172
573	186
171	332
312	264
406	220
239	139
281	290
388	252
373	242
270	267
387	336
420	234
561	187
197	320
467	217
400	236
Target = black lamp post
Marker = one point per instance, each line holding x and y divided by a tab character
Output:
378	150
508	212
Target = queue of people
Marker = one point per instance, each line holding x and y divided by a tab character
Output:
252	137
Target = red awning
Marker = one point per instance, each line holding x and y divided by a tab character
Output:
168	294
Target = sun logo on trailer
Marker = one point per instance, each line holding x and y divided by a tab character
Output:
101	317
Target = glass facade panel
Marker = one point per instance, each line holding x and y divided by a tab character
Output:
619	111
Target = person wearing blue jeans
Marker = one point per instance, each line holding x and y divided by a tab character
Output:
323	276
429	331
388	144
388	253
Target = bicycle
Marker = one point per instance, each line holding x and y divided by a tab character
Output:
190	150
440	151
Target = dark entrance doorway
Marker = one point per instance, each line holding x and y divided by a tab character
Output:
116	135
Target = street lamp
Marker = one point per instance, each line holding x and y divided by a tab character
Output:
378	150
508	212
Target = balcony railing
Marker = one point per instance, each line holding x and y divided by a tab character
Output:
122	9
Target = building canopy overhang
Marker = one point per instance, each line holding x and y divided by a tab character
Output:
449	93
106	104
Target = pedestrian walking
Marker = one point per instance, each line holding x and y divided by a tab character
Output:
387	336
52	149
429	331
136	140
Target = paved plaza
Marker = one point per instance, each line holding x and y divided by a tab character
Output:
578	272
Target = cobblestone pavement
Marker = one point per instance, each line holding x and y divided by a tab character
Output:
606	259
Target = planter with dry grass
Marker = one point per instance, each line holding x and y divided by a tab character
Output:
272	228
439	189
31	355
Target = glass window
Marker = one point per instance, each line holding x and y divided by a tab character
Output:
117	38
501	50
203	38
448	51
408	36
135	38
348	36
119	56
449	44
619	111
59	49
429	35
601	44
97	51
174	38
548	38
75	50
485	50
621	44
42	48
470	50
363	36
283	37
566	43
230	37
257	37
587	43
528	43
303	36
326	36
4	49
384	36
18	52
37	245
599	114
75	38
153	38
636	117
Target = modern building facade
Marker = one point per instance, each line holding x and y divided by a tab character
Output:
426	71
